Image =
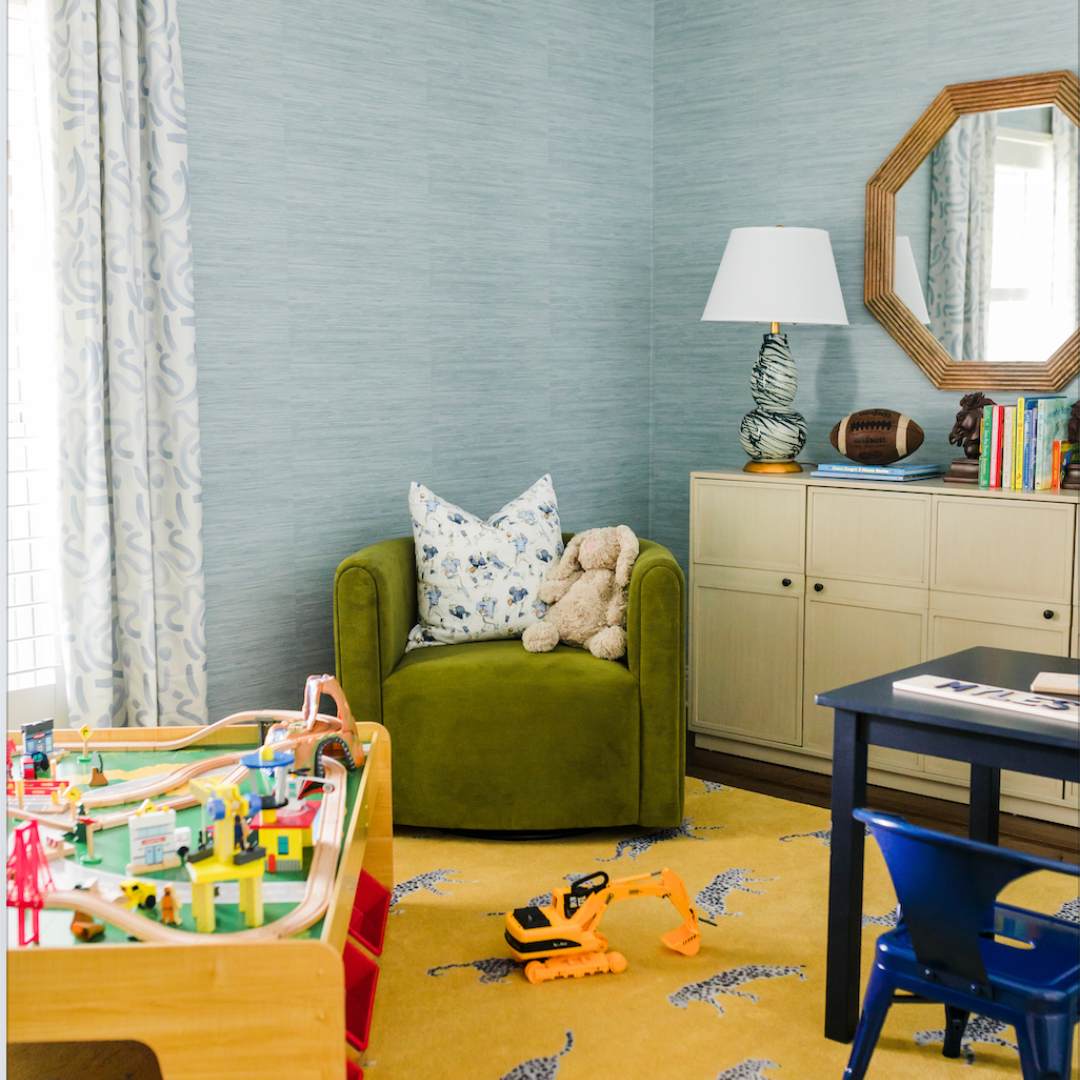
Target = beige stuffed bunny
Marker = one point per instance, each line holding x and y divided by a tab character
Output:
586	594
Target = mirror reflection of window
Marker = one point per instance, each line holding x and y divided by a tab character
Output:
1022	322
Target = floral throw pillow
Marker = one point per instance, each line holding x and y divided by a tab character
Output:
477	580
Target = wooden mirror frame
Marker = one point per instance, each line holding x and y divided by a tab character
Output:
1061	88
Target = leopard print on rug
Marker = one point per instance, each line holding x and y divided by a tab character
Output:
493	970
980	1029
425	881
641	844
750	1069
725	982
713	897
541	1068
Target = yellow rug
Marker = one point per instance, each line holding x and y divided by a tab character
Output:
749	1006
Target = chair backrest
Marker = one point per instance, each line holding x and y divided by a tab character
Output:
946	886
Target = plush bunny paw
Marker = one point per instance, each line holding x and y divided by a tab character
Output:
607	644
540	637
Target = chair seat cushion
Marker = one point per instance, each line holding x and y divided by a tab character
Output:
489	736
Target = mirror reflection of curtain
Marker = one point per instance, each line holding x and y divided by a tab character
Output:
131	485
961	227
1066	234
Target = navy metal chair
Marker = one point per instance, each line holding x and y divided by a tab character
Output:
950	947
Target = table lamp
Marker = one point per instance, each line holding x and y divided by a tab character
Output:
775	275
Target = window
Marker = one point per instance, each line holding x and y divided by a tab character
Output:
35	685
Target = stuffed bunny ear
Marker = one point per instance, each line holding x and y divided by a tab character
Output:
628	553
568	564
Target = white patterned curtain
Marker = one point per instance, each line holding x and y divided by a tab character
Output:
1066	234
131	486
961	228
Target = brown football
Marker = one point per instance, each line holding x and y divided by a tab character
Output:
876	436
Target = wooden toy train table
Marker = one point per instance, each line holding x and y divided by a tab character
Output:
242	1003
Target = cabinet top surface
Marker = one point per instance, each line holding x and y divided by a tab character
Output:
936	486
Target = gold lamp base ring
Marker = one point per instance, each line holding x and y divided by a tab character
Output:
772	467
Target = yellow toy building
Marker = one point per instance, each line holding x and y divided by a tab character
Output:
228	858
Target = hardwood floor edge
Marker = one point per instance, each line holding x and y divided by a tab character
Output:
1048	839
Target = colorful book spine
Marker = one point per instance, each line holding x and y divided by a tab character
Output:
1030	422
997	428
984	449
1008	446
1018	445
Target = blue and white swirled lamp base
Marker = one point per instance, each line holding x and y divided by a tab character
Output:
773	434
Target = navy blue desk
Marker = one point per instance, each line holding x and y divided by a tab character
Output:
871	714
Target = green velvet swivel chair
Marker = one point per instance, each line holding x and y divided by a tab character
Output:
487	736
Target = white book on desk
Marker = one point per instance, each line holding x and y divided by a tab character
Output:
991	697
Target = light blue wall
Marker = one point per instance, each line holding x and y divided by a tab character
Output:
469	242
771	112
422	253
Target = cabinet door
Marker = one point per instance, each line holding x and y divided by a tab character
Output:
1003	547
747	654
962	622
878	537
855	632
760	526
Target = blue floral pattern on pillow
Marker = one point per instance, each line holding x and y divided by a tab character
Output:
478	580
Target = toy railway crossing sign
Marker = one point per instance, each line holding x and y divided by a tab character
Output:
993	697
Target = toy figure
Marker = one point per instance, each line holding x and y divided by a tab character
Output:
170	907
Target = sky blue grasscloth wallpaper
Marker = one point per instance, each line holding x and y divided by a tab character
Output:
468	242
776	113
422	253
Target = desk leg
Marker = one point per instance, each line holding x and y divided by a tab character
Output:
845	880
984	803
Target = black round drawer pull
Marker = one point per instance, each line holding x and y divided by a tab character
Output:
786	582
1048	614
818	587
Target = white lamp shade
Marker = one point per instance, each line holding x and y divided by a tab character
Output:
906	282
781	275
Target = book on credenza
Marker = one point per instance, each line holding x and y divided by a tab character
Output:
1008	446
1033	409
1053	424
880	470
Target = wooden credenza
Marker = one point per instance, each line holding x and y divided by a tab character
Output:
800	584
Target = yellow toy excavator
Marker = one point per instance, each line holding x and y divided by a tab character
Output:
561	941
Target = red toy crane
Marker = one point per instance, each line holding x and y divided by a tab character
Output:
28	878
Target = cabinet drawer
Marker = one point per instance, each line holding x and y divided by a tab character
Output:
754	525
962	622
1002	547
862	535
738	579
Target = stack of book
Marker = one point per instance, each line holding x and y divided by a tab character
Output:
850	471
1024	446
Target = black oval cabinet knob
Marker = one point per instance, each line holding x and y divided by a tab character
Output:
818	587
786	582
1048	614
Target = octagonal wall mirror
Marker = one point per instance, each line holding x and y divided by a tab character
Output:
971	236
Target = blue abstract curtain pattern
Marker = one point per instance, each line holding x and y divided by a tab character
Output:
1066	234
961	226
131	487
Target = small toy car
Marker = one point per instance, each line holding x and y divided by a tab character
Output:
138	894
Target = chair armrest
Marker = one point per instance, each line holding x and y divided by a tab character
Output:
374	610
656	655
